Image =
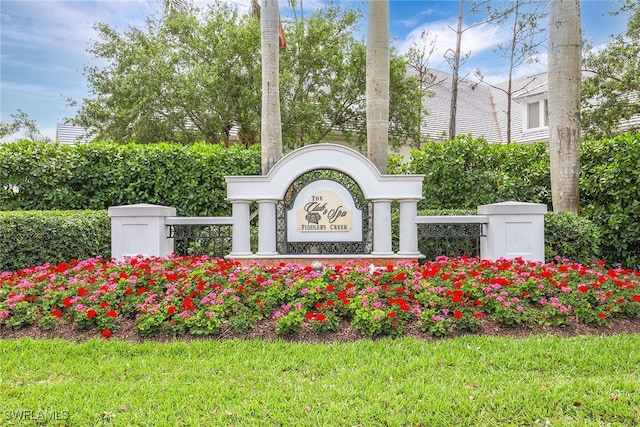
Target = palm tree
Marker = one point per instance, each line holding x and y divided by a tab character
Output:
171	6
565	47
271	121
377	91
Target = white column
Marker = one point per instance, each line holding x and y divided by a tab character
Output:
241	241
515	230
408	245
382	227
140	230
267	227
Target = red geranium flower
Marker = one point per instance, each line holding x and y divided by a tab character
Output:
104	304
309	315
321	317
171	310
391	314
111	313
457	315
56	313
106	333
66	302
82	292
91	313
128	291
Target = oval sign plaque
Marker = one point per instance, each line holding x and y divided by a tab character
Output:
324	210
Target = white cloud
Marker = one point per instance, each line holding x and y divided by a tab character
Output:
474	40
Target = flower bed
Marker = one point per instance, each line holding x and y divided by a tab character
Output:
198	295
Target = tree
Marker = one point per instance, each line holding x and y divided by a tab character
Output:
271	128
22	121
377	72
564	104
197	77
418	57
323	87
610	91
526	37
181	79
171	6
455	57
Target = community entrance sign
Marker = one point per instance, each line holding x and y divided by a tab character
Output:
328	201
325	199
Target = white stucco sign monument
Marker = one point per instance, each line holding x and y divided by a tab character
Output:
325	211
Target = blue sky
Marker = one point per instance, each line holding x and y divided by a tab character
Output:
43	44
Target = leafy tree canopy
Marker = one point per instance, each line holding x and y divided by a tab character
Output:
610	95
194	75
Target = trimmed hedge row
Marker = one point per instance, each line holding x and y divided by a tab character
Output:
462	173
36	237
41	176
29	238
466	172
610	194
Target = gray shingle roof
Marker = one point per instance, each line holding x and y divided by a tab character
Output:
68	134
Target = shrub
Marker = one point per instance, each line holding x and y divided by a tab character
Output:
464	173
43	176
609	186
35	237
571	237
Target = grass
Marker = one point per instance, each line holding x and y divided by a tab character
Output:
466	381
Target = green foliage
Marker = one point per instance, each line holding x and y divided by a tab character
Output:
464	173
609	187
33	237
290	323
572	237
195	75
21	121
24	314
39	176
609	94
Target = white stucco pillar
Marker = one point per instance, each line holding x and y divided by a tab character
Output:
408	245
267	227
382	227
140	230
515	230
241	241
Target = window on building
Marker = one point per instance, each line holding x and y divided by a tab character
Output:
537	114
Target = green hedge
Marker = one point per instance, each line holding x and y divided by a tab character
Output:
29	238
464	173
99	175
567	236
610	194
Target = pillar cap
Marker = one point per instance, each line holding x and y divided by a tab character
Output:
141	209
513	208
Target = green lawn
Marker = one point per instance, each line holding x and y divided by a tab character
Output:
471	380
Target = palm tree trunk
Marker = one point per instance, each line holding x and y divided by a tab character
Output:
565	48
271	126
378	83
